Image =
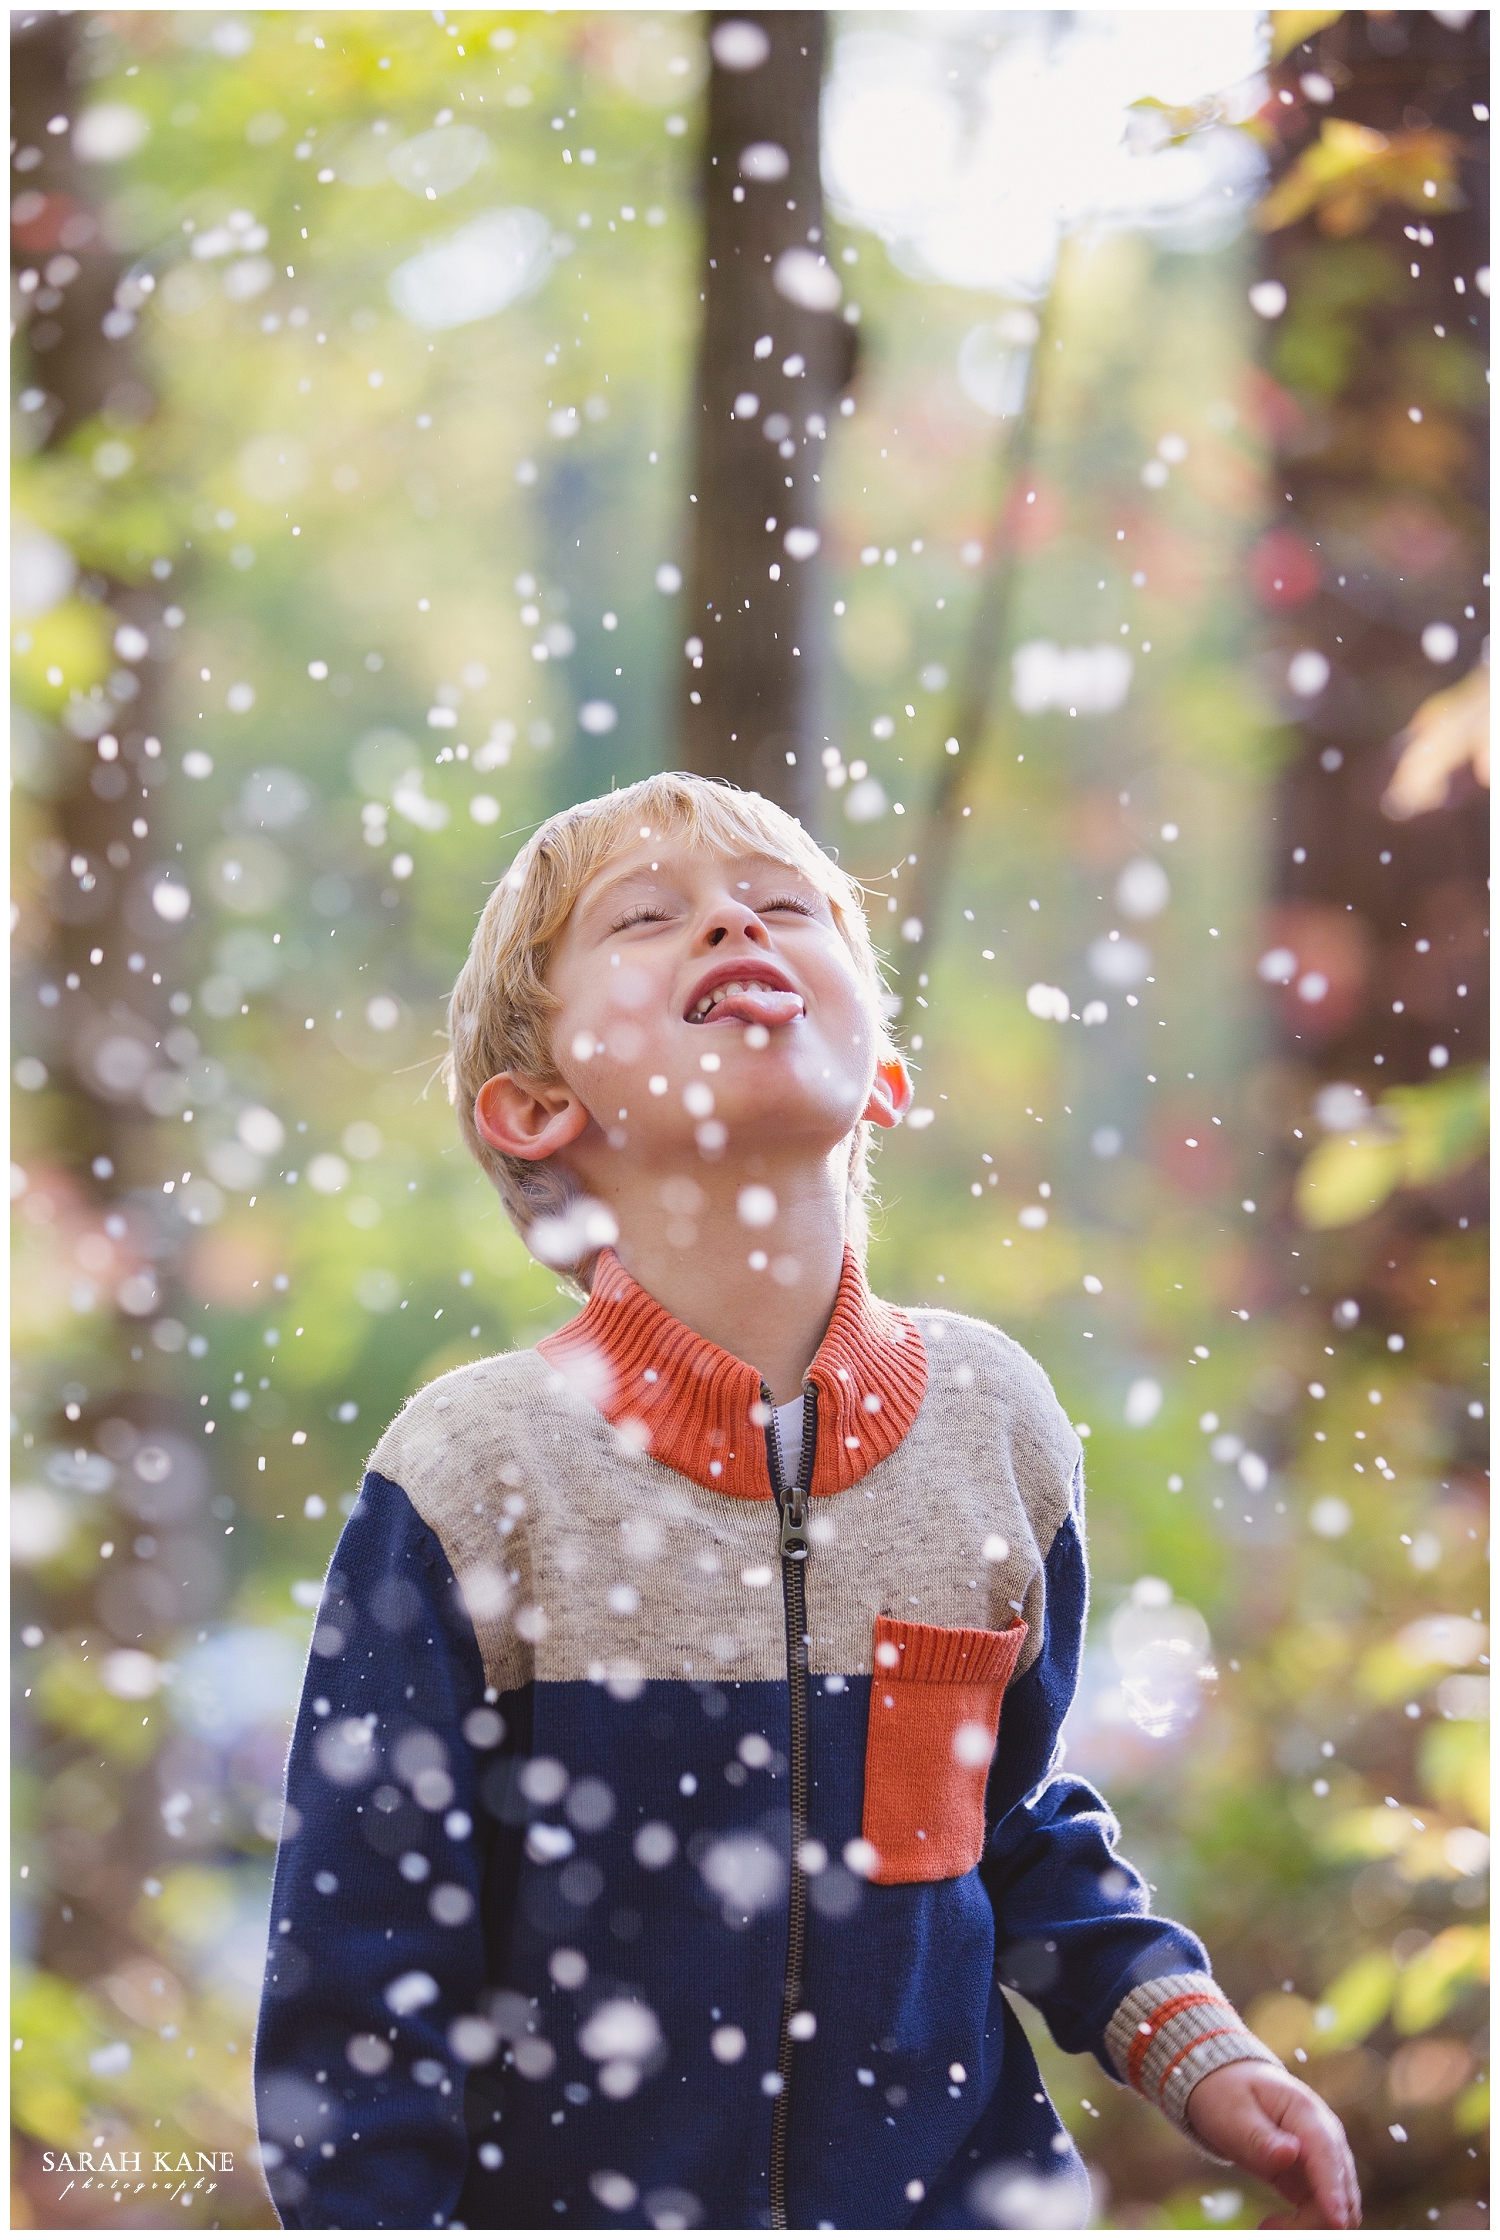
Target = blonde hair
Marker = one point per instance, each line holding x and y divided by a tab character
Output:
501	1009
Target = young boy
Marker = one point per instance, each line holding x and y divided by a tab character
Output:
676	1783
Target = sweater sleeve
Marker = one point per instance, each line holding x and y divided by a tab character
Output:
377	1960
1074	1930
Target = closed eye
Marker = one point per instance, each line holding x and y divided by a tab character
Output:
789	902
642	916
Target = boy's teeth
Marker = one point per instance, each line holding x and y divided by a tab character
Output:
731	988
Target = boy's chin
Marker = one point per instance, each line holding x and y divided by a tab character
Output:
772	1126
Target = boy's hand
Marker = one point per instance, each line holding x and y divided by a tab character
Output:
1275	2128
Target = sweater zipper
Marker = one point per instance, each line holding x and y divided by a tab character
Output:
791	1506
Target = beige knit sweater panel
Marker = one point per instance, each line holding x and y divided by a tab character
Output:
580	1558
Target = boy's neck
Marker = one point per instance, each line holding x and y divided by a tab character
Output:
709	1284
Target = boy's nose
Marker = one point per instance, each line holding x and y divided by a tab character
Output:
740	921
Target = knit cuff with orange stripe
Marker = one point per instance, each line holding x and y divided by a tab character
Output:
1173	2032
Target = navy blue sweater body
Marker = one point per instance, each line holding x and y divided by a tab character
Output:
529	1944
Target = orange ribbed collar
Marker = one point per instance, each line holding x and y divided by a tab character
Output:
696	1408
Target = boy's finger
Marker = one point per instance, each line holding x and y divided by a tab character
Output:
1271	2151
1328	2165
1321	2184
1316	2205
1346	2184
1308	2218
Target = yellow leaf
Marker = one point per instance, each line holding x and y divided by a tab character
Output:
1355	2003
47	2107
1371	1832
196	1907
1346	1178
1290	26
73	1698
1340	150
1389	1673
1471	2111
73	641
1444	1124
1449	730
1414	1137
1424	1859
1455	1765
1437	1978
1350	170
1282	2021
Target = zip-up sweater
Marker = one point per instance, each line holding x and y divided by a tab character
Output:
667	1816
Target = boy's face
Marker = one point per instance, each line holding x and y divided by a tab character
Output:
683	976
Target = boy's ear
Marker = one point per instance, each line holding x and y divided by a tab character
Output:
890	1093
527	1120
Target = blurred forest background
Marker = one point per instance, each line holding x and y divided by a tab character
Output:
385	426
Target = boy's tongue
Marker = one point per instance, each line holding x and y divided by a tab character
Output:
759	1007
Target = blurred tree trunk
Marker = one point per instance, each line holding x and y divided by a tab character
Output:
77	338
973	703
92	988
1372	572
1373	567
971	709
774	357
1377	413
71	352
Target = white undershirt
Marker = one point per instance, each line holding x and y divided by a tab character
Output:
789	1431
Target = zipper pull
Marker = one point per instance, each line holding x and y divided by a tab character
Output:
794	1544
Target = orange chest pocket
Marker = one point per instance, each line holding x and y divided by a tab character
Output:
935	1698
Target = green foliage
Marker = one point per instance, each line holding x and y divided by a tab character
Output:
70	1693
1433	1983
1415	1137
1356	2002
430	561
98	495
1317	345
1455	1768
71	2091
